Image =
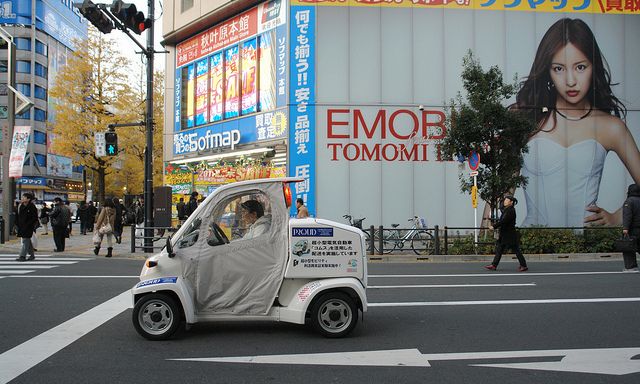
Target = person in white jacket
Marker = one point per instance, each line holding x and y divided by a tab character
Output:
253	214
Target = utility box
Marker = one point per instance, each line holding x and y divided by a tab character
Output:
162	206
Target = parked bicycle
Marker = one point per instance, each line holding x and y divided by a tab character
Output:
358	224
420	239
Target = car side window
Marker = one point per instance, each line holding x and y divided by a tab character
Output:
238	217
190	236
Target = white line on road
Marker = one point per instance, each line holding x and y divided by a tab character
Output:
497	274
22	266
23	357
78	277
505	302
451	286
17	271
47	259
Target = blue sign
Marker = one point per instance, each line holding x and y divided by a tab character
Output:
161	280
474	160
227	135
312	232
302	99
33	181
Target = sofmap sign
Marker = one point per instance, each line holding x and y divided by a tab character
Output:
34	181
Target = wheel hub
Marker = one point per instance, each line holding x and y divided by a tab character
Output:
155	316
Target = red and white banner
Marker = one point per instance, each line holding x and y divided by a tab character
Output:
18	150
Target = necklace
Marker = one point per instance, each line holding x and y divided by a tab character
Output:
575	118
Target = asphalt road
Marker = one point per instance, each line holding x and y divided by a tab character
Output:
438	323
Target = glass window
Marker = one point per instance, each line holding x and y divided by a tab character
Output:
4	91
244	216
41	70
77	168
40	93
25	115
41	159
39	137
4	66
185	5
39	114
27	159
41	48
24	88
22	43
190	236
23	66
4	112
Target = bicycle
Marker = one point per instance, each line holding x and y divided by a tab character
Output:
422	241
358	224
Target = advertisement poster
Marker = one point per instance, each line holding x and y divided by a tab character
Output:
202	91
377	150
232	96
249	76
59	166
267	62
189	95
217	71
18	150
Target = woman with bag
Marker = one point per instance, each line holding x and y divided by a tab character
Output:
104	226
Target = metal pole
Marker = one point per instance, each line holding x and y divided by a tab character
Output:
148	166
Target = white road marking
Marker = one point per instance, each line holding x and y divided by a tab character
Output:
451	286
23	265
23	357
498	274
5	255
17	271
76	277
505	302
48	258
36	262
607	361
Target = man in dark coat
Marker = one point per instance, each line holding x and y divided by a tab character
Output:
631	224
93	212
117	226
83	216
181	208
59	223
193	203
26	221
508	238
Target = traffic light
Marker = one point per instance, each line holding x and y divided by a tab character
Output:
95	16
129	16
111	143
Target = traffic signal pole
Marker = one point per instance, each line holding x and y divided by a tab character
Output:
148	165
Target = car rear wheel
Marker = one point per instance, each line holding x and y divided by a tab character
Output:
334	314
156	316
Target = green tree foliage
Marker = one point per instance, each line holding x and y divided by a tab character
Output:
483	124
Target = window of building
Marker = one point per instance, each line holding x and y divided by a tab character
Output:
39	137
39	114
4	112
23	66
4	66
41	159
77	169
41	48
24	88
24	115
22	43
40	93
185	5
41	70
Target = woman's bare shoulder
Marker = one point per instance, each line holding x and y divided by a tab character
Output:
611	130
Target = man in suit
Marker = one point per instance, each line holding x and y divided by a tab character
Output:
508	238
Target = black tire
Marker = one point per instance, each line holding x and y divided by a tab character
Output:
156	316
334	314
423	243
389	241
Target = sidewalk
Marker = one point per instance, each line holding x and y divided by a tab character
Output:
81	245
77	245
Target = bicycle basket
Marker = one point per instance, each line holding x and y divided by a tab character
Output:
421	222
358	223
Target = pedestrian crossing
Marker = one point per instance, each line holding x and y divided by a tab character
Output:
9	266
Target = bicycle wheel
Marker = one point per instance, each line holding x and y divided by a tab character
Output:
367	242
423	243
389	240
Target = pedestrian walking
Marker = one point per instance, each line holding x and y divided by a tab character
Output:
83	216
59	224
104	227
26	221
44	218
302	209
193	203
508	236
631	225
182	210
93	211
117	228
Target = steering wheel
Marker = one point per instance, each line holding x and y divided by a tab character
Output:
220	234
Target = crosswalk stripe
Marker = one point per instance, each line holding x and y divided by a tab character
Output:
22	266
17	271
47	259
37	262
16	255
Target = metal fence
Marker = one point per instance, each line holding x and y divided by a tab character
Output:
158	238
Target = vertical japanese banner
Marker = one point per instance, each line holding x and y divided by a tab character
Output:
232	93
249	56
267	62
190	96
302	136
281	66
178	102
202	91
217	80
18	150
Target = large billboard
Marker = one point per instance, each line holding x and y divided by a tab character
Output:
376	63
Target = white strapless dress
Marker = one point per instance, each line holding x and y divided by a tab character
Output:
562	181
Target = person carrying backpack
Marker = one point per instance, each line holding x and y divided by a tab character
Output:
59	223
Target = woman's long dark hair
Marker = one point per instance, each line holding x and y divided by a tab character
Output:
537	97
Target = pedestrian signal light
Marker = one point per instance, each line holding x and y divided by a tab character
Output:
111	143
130	17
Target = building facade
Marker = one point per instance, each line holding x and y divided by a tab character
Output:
360	89
43	32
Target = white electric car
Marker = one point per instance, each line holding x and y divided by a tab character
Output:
214	269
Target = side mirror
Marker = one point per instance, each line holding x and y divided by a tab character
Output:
170	248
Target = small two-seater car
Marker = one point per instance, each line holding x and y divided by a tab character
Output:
228	262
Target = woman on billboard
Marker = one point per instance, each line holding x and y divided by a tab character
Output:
579	120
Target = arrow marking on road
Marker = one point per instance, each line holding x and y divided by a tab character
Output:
606	361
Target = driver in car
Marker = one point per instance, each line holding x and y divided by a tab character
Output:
253	214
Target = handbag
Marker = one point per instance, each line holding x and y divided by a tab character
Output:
96	239
105	229
626	244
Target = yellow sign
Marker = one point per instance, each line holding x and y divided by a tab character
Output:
474	196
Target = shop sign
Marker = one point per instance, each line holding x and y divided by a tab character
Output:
302	142
32	181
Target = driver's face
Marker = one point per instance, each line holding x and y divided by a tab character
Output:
249	217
